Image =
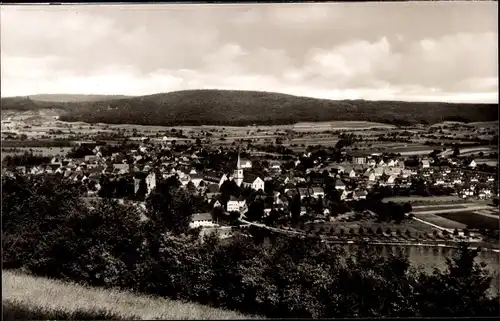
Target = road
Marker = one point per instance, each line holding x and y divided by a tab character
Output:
274	229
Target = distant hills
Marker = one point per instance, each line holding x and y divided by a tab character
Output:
73	97
239	108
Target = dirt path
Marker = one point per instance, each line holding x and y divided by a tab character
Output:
456	210
441	205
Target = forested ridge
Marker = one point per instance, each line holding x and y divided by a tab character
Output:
229	107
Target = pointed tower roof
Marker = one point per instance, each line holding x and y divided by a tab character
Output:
238	166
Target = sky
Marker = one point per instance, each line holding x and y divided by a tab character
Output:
413	51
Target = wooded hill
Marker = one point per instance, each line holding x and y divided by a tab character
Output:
228	107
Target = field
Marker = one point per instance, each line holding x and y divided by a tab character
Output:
441	221
472	220
438	207
422	199
398	148
337	125
489	162
27	297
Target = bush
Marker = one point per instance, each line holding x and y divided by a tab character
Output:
110	246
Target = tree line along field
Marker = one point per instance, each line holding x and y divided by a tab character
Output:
408	229
43	151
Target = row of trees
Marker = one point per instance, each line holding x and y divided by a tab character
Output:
50	232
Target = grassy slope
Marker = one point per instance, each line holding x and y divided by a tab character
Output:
226	107
28	297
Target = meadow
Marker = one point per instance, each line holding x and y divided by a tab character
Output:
29	297
472	220
338	125
441	221
422	199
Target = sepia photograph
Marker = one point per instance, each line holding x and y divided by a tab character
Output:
250	160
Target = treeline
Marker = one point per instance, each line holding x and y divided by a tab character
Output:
48	231
26	159
241	108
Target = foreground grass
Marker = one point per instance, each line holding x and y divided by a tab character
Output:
28	297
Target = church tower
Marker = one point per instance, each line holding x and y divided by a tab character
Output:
238	172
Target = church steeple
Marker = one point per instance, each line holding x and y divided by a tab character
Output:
238	173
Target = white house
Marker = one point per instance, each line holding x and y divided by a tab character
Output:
359	195
391	180
439	181
378	171
352	173
472	164
318	191
275	165
202	219
371	177
425	163
196	179
258	184
339	185
345	195
235	204
246	163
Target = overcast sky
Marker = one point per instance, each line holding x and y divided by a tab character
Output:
440	51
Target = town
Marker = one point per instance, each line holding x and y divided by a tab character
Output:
248	161
331	191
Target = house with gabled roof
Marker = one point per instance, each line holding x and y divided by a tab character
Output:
196	179
253	181
275	165
303	192
317	191
212	191
245	163
236	204
121	168
371	176
345	196
339	185
202	220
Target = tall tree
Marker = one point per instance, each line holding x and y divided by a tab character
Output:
295	206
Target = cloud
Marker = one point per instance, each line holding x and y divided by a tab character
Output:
323	50
351	60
